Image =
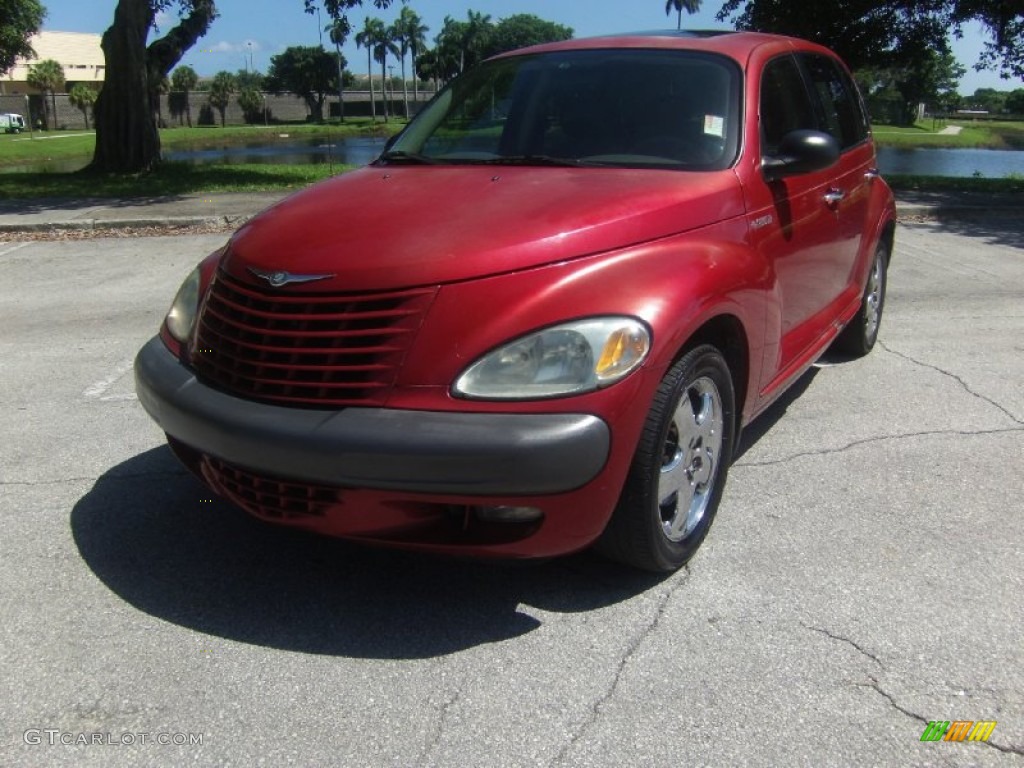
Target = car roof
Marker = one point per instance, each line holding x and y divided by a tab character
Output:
736	45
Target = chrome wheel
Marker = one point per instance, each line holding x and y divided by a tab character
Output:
861	333
675	482
873	297
692	450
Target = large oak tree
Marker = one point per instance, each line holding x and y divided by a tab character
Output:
127	140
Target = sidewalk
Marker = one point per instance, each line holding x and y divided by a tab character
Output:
225	209
230	210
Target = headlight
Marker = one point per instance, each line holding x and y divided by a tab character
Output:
183	310
566	359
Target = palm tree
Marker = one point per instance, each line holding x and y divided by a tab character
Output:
413	40
183	80
690	6
83	97
382	46
367	38
339	30
478	27
47	76
221	88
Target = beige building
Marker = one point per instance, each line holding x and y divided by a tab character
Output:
79	53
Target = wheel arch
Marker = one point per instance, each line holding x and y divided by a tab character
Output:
726	333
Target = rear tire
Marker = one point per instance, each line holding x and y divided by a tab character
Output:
860	335
675	482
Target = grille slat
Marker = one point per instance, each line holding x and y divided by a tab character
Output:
305	348
268	497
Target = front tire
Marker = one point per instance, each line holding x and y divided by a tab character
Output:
859	336
675	482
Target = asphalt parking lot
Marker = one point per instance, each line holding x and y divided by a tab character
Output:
864	575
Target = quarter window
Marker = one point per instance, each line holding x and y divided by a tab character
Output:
837	102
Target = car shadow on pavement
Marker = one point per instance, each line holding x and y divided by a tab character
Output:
159	540
1003	228
763	424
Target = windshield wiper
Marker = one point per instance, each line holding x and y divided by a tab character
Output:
400	156
535	160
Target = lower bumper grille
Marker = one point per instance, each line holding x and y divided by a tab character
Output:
267	497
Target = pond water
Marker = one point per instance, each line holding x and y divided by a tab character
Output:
346	151
990	163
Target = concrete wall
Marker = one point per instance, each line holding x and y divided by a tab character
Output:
284	107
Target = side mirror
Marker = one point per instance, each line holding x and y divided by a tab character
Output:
802	151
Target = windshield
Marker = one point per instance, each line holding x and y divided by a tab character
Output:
627	108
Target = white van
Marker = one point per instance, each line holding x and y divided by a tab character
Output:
12	123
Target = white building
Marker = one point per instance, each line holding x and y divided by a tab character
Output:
79	53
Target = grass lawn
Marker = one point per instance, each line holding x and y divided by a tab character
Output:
973	135
61	146
173	179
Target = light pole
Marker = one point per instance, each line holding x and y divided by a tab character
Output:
250	64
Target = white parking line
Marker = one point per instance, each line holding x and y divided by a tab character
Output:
13	248
98	390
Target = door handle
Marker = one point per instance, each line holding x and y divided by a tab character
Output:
834	196
871	173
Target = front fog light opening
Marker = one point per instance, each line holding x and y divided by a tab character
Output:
507	514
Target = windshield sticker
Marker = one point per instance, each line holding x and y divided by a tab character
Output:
714	125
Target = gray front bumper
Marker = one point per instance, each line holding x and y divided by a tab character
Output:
419	451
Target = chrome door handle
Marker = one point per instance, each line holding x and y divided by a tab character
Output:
871	173
834	196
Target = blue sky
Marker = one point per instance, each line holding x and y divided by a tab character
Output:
266	27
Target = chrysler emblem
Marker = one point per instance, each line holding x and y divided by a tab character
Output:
280	277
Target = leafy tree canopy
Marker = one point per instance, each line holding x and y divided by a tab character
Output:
19	20
308	71
887	33
521	30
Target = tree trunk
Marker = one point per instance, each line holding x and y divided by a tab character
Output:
415	80
405	89
126	136
53	100
341	85
127	139
369	76
188	109
384	86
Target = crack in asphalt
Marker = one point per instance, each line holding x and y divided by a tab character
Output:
957	379
1011	749
442	726
841	639
634	646
880	438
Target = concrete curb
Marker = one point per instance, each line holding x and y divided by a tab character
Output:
157	222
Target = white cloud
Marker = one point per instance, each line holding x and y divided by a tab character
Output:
224	46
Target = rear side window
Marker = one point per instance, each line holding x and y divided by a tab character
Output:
837	102
785	103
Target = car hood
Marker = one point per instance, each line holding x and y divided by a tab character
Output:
395	227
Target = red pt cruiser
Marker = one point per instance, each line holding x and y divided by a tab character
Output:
541	318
